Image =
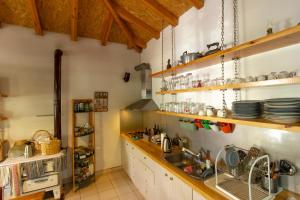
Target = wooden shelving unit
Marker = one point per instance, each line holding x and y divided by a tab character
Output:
262	123
2	118
287	37
3	95
90	140
277	82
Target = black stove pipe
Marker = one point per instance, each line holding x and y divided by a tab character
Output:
57	93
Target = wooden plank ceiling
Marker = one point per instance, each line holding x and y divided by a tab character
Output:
130	22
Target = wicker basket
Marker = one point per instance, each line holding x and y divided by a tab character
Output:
36	137
53	147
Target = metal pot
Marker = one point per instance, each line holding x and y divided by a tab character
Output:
187	57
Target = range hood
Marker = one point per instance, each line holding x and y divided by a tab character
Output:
146	103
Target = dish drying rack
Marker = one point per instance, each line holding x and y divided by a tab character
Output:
243	190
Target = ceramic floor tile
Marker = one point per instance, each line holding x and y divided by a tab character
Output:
124	189
72	198
88	191
108	194
119	182
102	178
101	186
90	197
128	196
138	195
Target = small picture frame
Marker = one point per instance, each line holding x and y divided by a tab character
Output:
101	102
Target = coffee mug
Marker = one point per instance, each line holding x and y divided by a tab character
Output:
210	112
202	113
222	113
250	79
227	127
205	124
283	74
272	76
261	78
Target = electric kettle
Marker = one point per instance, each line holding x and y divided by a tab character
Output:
167	145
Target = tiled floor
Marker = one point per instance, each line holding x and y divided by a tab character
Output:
110	186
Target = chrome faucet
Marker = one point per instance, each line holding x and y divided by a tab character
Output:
191	152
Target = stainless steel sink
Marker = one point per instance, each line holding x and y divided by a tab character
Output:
182	160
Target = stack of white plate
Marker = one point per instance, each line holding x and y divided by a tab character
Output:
250	109
282	110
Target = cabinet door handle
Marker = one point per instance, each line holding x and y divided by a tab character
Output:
166	174
171	178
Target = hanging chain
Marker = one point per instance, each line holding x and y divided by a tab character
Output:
235	43
173	45
222	57
174	95
162	60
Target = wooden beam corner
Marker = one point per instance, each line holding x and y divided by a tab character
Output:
162	11
35	17
107	22
74	20
197	3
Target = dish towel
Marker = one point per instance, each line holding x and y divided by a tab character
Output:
4	176
15	180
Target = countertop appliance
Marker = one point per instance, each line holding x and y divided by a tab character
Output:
167	145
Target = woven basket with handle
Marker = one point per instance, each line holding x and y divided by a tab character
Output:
46	147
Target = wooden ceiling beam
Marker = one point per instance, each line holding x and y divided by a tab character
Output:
107	22
162	11
130	18
35	17
197	3
140	43
74	20
121	24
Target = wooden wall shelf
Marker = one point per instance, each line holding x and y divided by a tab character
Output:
266	43
262	123
277	82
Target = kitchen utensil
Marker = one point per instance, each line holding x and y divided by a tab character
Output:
169	64
272	76
287	168
212	51
198	123
227	127
167	145
250	109
274	184
210	111
232	157
28	151
261	78
205	124
162	137
242	155
250	79
188	57
283	74
222	113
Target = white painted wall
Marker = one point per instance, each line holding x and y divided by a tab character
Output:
199	27
26	75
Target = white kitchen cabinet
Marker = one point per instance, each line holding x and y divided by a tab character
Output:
197	196
124	155
151	179
173	188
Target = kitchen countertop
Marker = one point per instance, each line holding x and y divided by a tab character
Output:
155	153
